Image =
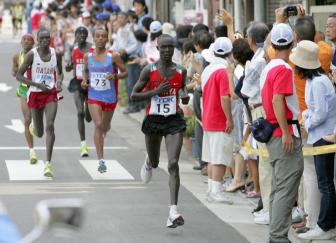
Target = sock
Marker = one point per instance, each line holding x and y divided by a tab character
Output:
31	150
209	184
173	209
216	186
47	162
83	142
101	161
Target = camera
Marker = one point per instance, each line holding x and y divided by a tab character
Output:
291	11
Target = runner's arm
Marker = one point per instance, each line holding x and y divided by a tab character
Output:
15	65
28	61
138	95
69	66
85	82
121	66
59	67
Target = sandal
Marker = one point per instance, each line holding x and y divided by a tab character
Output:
232	188
253	194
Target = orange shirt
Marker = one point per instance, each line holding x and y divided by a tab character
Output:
325	56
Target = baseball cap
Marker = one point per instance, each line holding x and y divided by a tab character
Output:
116	8
107	5
155	27
86	14
168	28
222	46
102	16
282	35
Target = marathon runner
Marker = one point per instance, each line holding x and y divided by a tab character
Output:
46	82
27	43
80	95
165	82
101	81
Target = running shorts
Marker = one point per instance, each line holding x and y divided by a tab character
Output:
161	125
38	100
105	106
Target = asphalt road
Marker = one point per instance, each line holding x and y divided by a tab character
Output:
119	208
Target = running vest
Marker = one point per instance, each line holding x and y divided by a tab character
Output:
44	72
164	104
78	62
28	73
100	88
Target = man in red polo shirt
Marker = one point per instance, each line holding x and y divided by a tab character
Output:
217	118
285	147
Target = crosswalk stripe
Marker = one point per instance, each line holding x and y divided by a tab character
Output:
115	171
19	170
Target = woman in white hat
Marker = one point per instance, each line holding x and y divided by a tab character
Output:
319	119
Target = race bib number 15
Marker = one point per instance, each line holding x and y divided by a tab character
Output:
98	81
164	106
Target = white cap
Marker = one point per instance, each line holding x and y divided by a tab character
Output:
282	35
222	46
155	27
86	14
168	28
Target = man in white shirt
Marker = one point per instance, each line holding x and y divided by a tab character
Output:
126	44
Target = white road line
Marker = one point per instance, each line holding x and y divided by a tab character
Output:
63	148
115	171
20	170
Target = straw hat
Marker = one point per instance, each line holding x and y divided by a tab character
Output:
306	55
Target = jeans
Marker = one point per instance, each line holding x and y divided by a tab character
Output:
133	73
324	166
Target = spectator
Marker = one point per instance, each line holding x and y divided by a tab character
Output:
141	10
331	35
256	35
126	44
217	119
285	146
318	119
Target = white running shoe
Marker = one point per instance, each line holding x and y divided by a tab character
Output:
260	213
318	234
263	218
175	219
297	215
146	172
219	197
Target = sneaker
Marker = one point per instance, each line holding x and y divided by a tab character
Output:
260	213
146	172
84	152
32	130
102	167
48	170
33	158
318	234
297	215
174	220
263	218
219	197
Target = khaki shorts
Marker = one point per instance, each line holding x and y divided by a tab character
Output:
217	148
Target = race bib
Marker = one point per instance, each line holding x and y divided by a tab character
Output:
163	106
79	70
98	81
47	79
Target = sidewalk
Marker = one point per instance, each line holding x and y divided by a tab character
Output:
238	215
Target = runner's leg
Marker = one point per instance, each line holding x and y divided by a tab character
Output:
173	146
27	120
50	112
37	115
79	102
153	144
107	117
97	117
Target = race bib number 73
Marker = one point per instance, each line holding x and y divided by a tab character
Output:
164	106
99	81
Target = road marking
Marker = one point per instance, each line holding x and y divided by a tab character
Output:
4	87
64	148
20	170
115	171
17	126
